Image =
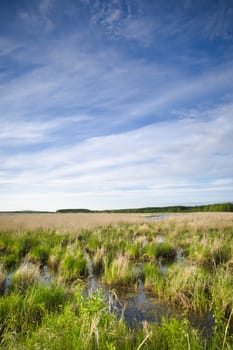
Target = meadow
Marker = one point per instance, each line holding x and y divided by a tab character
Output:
64	279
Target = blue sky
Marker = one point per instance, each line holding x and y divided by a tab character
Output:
115	104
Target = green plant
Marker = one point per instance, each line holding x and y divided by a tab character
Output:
25	276
10	261
2	277
154	279
73	265
39	254
120	271
165	251
188	286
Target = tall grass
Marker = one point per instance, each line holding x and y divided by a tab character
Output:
47	319
2	277
54	316
26	275
154	279
120	272
73	265
189	286
21	314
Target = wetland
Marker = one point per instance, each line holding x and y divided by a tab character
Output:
128	284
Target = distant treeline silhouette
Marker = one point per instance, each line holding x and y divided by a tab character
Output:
218	207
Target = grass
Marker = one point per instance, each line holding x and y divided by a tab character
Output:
34	314
25	276
120	272
21	314
188	285
63	222
46	318
73	265
154	279
2	277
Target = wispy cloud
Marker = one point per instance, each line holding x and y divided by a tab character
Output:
166	157
116	104
38	18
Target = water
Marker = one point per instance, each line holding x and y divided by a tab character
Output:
7	283
45	276
158	217
137	305
160	239
141	306
89	264
180	255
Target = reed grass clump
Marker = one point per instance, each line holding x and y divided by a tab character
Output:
25	242
21	314
154	279
39	254
134	249
165	251
2	277
54	261
10	261
172	334
222	295
25	276
158	250
120	272
188	286
98	260
73	265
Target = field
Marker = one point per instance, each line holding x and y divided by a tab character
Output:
116	281
63	222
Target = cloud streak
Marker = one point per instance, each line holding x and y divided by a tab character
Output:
115	104
188	152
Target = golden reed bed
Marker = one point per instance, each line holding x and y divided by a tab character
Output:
64	222
73	222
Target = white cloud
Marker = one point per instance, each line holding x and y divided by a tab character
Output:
38	18
166	160
83	119
25	132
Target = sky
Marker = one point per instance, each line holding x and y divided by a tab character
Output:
109	104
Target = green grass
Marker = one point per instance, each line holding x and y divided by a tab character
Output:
73	265
46	318
154	279
120	272
25	276
10	261
36	315
2	277
188	286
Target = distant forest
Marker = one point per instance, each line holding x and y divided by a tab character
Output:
227	207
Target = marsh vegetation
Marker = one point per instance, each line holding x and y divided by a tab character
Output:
134	285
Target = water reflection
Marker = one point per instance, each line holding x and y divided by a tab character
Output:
141	306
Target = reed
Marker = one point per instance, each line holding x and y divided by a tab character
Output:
2	277
120	272
25	276
10	261
39	254
73	265
21	314
154	279
34	315
98	260
189	286
54	258
222	297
